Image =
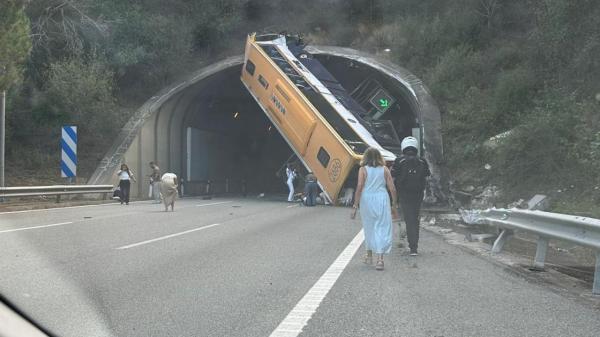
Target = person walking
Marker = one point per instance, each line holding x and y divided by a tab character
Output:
125	179
168	189
155	182
311	189
410	173
291	175
372	197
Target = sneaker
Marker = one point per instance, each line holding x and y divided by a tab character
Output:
413	252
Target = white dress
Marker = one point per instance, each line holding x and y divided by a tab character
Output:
375	212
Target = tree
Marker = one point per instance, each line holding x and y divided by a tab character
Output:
15	42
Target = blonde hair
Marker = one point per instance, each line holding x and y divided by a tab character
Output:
372	157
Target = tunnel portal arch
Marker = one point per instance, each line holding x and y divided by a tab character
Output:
210	115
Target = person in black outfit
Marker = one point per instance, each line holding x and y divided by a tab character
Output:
410	172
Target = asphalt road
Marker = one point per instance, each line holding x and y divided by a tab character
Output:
237	267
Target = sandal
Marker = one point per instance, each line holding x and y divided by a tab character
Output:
379	265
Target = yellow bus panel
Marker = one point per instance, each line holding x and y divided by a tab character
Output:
313	139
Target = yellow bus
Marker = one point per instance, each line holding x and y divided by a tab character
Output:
312	111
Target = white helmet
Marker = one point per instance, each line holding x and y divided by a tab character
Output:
410	142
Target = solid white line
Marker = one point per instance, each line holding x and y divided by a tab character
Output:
296	320
167	236
34	227
214	203
290	206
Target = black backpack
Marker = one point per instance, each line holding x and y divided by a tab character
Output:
413	171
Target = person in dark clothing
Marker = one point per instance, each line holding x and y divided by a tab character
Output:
125	179
311	189
410	172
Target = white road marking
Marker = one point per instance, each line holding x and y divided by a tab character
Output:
290	206
68	207
167	236
52	209
34	227
96	205
296	320
214	203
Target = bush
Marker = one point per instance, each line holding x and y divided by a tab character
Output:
540	152
455	73
512	94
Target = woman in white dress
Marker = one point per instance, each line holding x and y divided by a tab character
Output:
373	192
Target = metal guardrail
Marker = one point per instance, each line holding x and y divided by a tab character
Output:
55	190
579	230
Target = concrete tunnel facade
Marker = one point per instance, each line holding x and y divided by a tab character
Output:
208	130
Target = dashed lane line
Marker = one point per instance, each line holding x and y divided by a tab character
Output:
296	320
166	237
70	222
35	227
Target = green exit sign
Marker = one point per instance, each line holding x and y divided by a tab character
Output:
382	100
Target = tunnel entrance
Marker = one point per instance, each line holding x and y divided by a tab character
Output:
232	146
207	127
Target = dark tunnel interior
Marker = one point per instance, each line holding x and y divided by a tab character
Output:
231	143
236	142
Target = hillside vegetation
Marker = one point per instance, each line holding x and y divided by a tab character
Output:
530	67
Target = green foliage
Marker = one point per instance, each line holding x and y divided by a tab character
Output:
512	94
80	92
14	41
565	42
543	150
455	73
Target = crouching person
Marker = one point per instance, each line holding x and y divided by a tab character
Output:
168	189
311	189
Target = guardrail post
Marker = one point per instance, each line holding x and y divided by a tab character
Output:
501	240
540	253
58	198
596	288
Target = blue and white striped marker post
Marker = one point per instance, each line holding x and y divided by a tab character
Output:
68	160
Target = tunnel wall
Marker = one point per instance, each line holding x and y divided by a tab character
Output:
157	132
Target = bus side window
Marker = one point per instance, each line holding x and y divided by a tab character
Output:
250	67
323	157
263	82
